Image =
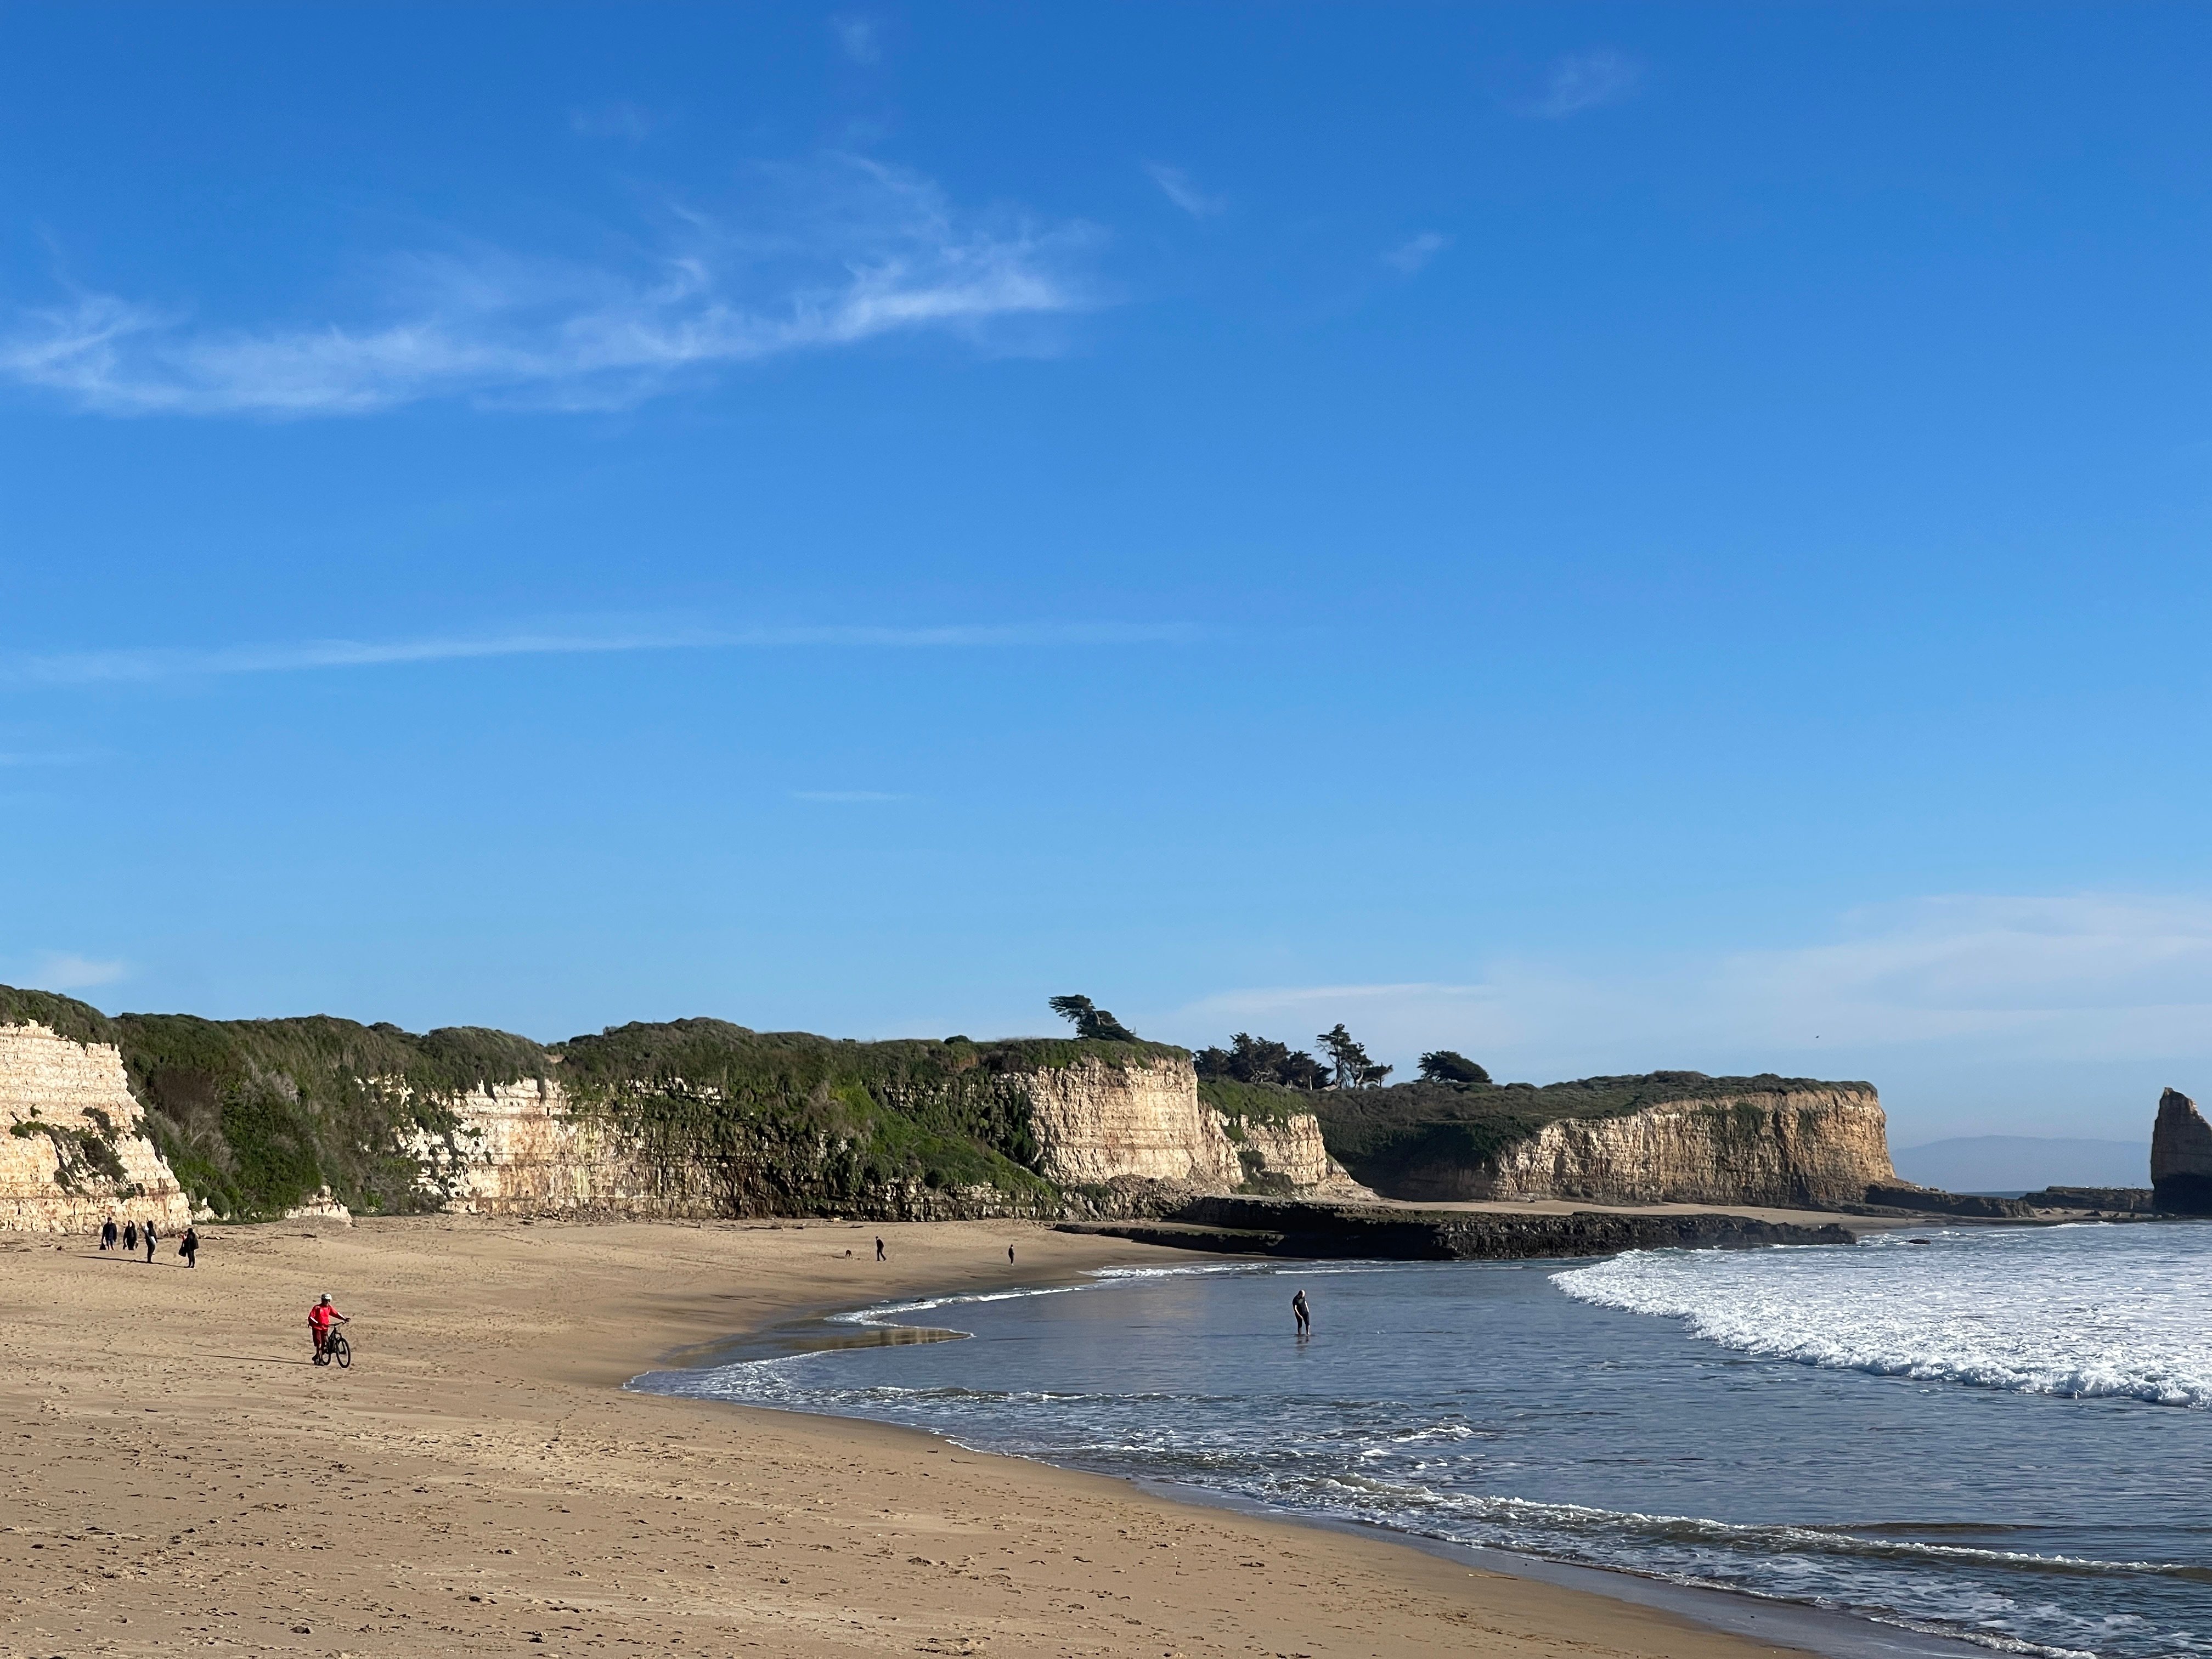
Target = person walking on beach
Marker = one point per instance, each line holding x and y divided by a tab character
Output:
1010	1255
879	1249
1305	1315
129	1238
189	1246
107	1233
148	1235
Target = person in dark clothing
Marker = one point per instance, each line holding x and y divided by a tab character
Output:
148	1235
1010	1255
131	1238
107	1234
189	1246
1304	1314
879	1249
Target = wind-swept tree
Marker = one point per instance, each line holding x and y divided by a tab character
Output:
1449	1065
1352	1069
1090	1020
1248	1059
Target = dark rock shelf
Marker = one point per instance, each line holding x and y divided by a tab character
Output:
1311	1231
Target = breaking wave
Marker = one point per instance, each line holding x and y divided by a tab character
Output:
2130	1319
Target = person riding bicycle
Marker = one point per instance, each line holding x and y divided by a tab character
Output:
320	1318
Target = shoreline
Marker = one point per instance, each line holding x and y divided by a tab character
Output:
1799	1626
480	1479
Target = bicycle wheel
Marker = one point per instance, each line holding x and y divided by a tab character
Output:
342	1351
323	1356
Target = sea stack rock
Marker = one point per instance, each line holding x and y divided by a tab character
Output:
2181	1156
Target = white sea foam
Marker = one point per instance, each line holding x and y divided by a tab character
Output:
2121	1312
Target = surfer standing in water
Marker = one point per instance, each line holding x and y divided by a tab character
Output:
1305	1316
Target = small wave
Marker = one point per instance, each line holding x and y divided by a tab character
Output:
1777	1539
881	1311
1989	1639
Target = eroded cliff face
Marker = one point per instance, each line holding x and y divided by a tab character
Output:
2181	1156
1289	1158
1804	1148
1096	1123
525	1149
71	1152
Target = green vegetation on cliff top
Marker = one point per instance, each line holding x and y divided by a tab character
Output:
80	1022
256	1115
778	1121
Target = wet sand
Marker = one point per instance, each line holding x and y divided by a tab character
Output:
175	1476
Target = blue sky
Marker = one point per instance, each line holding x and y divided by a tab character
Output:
1601	537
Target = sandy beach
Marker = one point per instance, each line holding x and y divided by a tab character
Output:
179	1476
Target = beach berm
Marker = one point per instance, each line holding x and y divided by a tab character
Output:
181	1478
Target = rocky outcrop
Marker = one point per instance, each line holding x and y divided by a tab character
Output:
72	1152
1933	1200
2181	1156
1802	1148
2095	1200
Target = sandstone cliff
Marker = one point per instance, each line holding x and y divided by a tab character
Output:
72	1152
1097	1124
2181	1156
1801	1147
1101	1132
1667	1138
530	1149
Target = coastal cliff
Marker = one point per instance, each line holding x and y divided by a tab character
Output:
1801	1147
691	1118
1670	1137
2181	1156
1073	1129
72	1152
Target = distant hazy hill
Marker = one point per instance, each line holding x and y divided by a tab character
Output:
2001	1163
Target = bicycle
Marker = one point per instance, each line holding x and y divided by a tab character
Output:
335	1347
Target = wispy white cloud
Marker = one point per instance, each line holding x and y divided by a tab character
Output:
1412	254
1584	81
829	255
1178	187
64	970
99	667
847	797
860	38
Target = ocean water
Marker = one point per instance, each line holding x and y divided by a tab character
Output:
2003	1435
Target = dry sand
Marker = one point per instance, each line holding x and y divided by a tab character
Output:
177	1477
